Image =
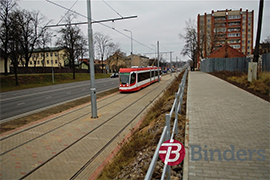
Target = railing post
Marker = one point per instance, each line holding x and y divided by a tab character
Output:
168	174
168	119
176	114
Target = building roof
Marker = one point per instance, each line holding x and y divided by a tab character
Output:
226	51
48	49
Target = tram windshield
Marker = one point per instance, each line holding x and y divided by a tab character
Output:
124	78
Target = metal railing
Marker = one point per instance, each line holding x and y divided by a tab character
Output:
176	108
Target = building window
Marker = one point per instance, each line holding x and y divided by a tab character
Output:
48	62
51	54
55	54
234	35
234	17
31	62
37	62
47	54
55	61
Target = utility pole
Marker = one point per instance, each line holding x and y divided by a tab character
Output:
171	62
256	52
91	63
131	53
158	58
91	49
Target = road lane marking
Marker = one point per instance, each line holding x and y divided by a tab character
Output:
22	103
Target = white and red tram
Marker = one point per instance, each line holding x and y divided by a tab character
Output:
135	78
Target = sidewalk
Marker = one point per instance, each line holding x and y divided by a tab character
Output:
229	131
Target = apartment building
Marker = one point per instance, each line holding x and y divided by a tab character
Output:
232	26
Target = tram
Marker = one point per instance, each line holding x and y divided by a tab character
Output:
135	78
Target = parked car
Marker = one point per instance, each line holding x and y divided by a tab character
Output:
114	75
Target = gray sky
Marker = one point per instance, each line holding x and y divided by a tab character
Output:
157	20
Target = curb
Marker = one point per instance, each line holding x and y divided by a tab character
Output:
186	159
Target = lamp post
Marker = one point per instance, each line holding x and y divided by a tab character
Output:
155	52
131	45
51	54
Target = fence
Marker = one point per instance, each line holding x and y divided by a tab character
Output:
233	64
178	101
31	70
266	62
225	64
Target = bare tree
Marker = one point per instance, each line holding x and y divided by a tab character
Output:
6	8
191	43
104	46
42	43
71	38
267	40
31	27
14	44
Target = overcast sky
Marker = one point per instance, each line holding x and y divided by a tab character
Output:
157	20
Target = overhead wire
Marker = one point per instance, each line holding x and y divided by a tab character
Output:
67	12
75	12
112	9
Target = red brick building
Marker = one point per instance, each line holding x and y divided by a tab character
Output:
234	26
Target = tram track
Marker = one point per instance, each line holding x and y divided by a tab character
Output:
83	167
86	135
44	123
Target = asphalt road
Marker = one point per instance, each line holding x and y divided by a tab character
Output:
19	103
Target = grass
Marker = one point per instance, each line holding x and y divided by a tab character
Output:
259	87
7	83
146	135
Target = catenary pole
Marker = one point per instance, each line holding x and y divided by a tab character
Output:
158	58
91	62
171	62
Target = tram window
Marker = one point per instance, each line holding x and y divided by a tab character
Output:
133	78
143	76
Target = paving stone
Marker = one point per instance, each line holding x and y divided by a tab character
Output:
228	119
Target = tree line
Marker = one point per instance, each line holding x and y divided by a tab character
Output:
22	31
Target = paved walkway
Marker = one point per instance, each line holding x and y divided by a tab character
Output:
229	131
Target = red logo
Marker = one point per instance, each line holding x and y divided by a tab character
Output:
172	152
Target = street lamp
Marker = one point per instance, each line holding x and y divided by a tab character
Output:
51	54
155	51
131	45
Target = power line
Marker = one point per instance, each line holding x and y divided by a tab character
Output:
67	12
112	8
63	7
